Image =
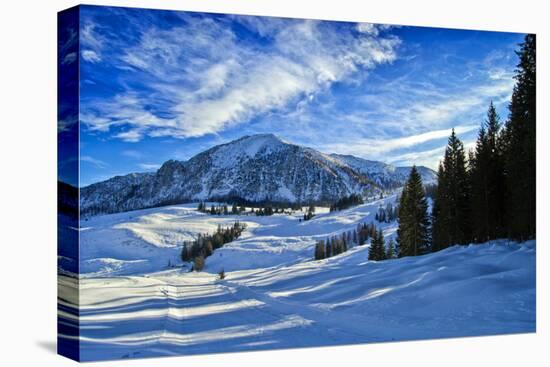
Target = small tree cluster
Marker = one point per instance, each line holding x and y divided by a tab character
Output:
221	209
214	209
347	202
320	250
237	210
332	246
201	207
364	232
387	214
310	213
205	244
338	244
266	211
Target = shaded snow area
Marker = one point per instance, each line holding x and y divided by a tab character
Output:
274	296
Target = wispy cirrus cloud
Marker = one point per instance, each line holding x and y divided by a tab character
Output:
370	147
93	161
91	43
208	79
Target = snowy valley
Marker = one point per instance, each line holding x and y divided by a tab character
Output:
138	299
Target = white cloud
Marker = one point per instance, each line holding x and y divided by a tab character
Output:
210	80
90	38
429	158
90	56
380	147
124	110
368	28
96	162
131	136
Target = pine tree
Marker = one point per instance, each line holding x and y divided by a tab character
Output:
328	248
377	249
488	181
520	150
452	222
439	224
208	248
320	250
413	231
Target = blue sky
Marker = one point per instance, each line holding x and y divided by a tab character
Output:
159	85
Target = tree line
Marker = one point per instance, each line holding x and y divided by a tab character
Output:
346	202
488	193
221	209
265	210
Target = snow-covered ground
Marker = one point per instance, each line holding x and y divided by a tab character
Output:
274	296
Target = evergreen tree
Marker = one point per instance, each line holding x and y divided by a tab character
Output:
328	248
520	150
186	254
208	248
319	250
413	231
439	225
488	181
198	263
451	214
377	249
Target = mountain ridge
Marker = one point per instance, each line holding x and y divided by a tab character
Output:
253	168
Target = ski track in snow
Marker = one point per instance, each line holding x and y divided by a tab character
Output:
274	296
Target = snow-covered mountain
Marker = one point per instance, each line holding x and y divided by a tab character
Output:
383	174
253	168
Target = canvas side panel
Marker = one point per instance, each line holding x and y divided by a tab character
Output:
67	183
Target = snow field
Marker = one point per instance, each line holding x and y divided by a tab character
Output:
274	296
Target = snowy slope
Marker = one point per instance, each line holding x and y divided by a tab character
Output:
385	175
144	241
254	168
462	291
274	295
